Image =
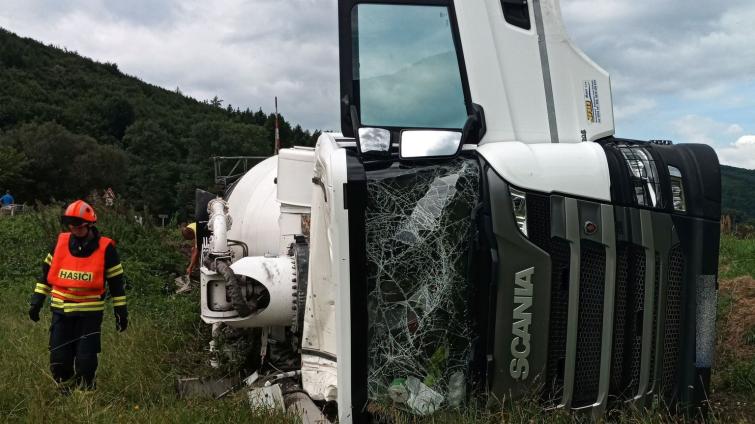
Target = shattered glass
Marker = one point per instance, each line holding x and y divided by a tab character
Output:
419	231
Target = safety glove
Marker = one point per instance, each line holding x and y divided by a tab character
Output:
35	305
121	318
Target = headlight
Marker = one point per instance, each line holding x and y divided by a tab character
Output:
519	200
677	189
644	175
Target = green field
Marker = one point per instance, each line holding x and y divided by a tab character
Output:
165	340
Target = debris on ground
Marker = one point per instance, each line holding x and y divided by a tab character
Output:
183	284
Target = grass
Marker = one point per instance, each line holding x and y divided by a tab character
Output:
166	340
138	369
737	257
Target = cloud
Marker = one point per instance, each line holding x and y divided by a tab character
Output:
701	129
734	129
741	153
633	107
244	52
693	59
698	47
690	56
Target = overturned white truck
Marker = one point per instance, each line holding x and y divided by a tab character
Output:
476	229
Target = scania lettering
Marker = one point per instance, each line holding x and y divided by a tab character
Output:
520	345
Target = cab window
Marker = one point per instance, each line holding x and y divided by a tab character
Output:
405	67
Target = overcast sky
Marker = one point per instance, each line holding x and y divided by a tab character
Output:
681	69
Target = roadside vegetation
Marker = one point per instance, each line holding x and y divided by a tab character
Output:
166	340
136	380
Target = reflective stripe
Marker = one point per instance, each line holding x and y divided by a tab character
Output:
121	303
46	293
42	288
112	272
101	308
57	303
119	300
48	259
73	296
62	296
78	289
68	309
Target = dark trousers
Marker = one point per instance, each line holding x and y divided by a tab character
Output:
74	345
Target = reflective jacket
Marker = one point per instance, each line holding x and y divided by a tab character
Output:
77	272
78	281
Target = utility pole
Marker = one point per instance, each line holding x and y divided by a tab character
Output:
277	130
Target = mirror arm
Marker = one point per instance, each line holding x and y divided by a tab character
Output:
479	113
474	128
469	134
355	124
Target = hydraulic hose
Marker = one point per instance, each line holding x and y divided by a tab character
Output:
233	285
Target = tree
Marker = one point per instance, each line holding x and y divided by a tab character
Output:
260	118
57	164
154	169
216	102
117	114
12	165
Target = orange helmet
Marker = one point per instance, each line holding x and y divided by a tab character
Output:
80	210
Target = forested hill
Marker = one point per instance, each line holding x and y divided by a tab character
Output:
69	125
738	193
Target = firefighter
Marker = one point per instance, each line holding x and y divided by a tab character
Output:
189	232
76	274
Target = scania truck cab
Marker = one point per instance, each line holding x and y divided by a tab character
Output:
475	230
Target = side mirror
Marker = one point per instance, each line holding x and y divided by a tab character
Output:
374	140
442	144
429	144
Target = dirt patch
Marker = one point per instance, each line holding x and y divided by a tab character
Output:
736	323
732	399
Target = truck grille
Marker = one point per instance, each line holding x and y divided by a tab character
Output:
650	363
620	317
560	252
539	220
656	288
589	335
627	334
673	322
633	331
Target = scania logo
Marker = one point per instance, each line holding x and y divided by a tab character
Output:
520	326
590	228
